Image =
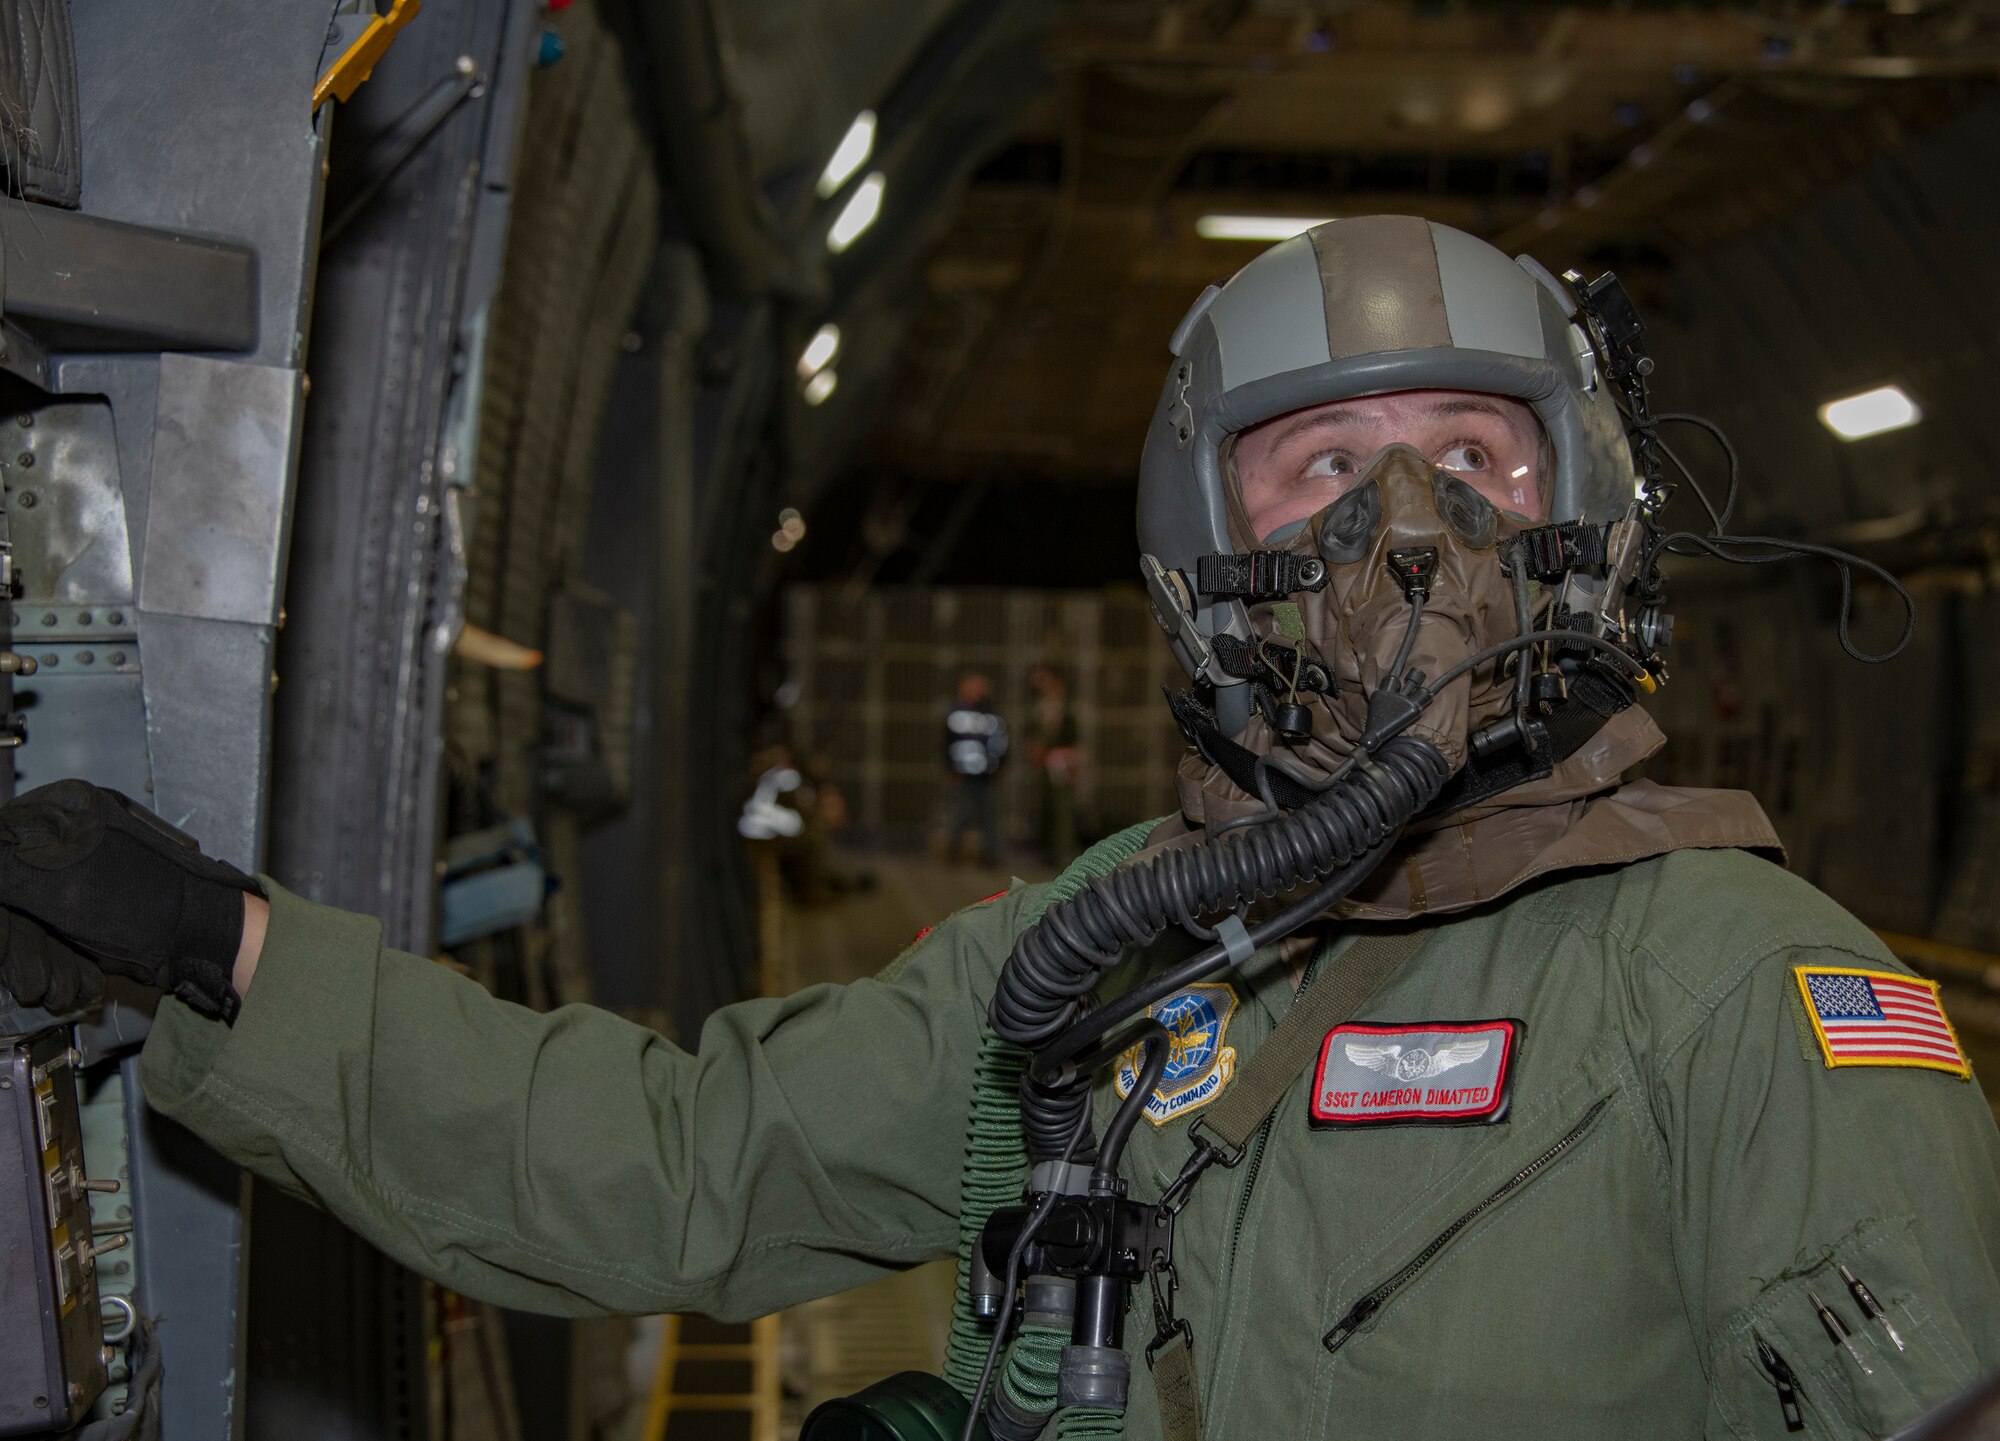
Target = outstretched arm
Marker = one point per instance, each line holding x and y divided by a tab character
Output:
572	1161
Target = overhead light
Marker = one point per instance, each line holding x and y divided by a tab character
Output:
821	386
1255	227
1870	413
850	155
819	351
858	214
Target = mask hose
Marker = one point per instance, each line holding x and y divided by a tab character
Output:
1045	986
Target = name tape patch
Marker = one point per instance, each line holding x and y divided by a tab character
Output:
1199	1065
1878	1018
1452	1073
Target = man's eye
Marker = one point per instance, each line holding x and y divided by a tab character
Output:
1465	458
1333	464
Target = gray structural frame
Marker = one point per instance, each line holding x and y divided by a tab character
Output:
243	204
161	330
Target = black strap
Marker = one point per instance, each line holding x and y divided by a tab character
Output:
1204	732
1258	574
1272	664
1594	698
1552	551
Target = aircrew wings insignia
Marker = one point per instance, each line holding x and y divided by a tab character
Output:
1416	1064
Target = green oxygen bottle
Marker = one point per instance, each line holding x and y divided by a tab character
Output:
910	1406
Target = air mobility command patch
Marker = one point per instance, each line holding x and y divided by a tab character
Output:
1440	1073
1199	1065
1878	1018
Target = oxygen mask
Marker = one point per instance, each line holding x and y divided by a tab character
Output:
1399	581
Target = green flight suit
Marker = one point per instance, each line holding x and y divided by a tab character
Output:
1713	1171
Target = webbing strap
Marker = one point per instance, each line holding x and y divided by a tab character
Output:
1330	999
1294	1045
1178	1388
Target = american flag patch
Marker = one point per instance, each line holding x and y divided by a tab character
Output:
1878	1018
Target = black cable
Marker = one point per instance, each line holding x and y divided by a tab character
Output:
1159	1049
1260	769
1409	638
1718	547
1649	431
1714	517
1062	1055
1701	422
1035	1219
1533	637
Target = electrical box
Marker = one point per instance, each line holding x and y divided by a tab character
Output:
51	1348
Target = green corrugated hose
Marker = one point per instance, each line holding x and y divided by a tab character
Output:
996	1164
996	1158
1089	1423
1034	1361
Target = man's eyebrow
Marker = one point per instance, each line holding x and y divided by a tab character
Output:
1318	420
1474	405
1508	413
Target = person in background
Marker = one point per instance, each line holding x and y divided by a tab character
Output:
1058	759
975	746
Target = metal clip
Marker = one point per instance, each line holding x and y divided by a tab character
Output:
1227	1154
1166	1325
1175	1197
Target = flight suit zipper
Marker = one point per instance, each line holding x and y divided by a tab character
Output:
1255	1159
1787	1382
1360	1313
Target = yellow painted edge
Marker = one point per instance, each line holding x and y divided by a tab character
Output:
358	61
1963	1070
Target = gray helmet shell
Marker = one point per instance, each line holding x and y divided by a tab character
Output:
1359	307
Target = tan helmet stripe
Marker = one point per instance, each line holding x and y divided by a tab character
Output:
1380	277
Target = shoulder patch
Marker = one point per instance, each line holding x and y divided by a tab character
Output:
1879	1018
1199	1065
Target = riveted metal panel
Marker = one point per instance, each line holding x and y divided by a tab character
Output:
226	437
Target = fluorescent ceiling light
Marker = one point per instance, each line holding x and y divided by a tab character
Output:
821	386
819	351
1255	227
1870	413
850	155
858	214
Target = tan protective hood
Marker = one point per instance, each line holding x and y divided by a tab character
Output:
1579	816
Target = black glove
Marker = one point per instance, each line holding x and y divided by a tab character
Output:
97	882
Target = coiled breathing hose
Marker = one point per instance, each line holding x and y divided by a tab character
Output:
1046	985
996	1161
